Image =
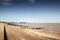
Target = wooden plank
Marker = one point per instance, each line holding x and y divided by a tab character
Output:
1	31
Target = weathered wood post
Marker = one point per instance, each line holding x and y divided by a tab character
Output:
5	35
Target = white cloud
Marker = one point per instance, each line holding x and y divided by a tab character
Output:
33	1
6	2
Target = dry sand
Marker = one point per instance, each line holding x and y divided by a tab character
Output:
46	26
16	33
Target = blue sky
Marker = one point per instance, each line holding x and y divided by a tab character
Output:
37	12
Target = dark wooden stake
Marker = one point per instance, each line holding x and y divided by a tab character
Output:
5	35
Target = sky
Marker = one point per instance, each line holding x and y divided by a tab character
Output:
34	11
